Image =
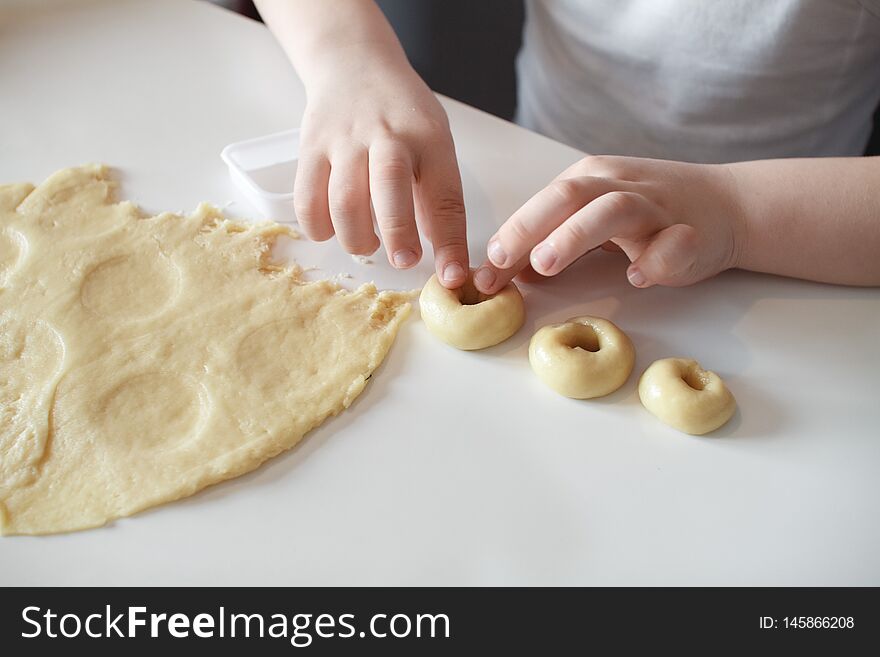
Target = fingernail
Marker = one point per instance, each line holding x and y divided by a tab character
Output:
635	277
453	272
404	258
496	253
484	278
543	258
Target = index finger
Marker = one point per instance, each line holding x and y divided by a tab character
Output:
542	214
441	197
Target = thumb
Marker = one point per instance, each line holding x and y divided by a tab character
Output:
669	259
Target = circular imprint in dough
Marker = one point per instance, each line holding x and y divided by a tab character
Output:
13	246
31	356
77	204
130	287
150	410
33	352
279	355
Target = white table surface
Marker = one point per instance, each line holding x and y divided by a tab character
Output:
453	467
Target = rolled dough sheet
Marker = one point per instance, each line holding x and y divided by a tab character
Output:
144	358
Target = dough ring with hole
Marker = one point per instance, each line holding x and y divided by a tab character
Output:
685	396
583	357
468	319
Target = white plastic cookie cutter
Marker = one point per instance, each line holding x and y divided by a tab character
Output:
263	169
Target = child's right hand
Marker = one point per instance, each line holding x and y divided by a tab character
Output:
374	132
678	223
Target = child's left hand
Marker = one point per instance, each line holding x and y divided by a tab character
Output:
678	223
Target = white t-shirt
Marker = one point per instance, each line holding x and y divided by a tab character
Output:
702	80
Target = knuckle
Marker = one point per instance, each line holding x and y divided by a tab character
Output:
393	167
439	123
396	224
452	243
430	124
384	134
576	232
665	262
618	213
621	203
687	236
389	153
670	260
518	230
448	208
435	134
568	190
605	166
687	240
598	162
451	252
344	206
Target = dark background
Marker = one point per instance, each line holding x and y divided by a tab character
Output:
465	49
483	620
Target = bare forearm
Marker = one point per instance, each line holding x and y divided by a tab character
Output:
314	34
817	219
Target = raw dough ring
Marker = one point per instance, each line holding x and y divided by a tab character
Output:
468	319
583	357
685	396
